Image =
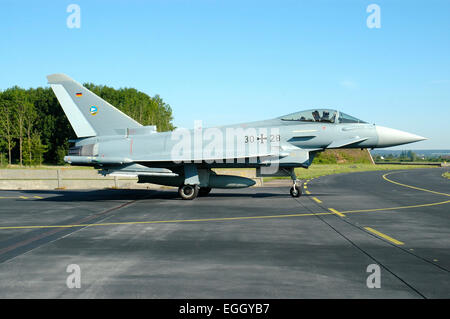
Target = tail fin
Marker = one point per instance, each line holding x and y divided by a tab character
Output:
88	114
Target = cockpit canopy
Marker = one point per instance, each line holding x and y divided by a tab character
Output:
321	115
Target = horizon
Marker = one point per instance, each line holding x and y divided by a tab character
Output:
408	149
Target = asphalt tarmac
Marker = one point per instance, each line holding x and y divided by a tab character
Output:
244	243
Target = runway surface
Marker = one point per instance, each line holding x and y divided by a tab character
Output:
247	243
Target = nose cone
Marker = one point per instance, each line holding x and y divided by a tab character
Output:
391	137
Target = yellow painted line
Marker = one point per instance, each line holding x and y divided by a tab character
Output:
17	197
308	192
317	200
334	211
388	238
21	197
413	187
394	208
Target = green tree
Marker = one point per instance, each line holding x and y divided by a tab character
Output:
7	122
3	152
22	107
411	156
34	154
61	152
29	120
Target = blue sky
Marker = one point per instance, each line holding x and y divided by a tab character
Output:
235	61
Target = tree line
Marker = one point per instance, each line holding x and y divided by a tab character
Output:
410	156
34	129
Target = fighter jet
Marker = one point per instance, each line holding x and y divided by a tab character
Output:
117	145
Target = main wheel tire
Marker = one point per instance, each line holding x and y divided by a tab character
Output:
296	191
188	192
204	191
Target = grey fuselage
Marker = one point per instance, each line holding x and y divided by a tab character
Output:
153	149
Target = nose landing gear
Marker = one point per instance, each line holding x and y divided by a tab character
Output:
296	190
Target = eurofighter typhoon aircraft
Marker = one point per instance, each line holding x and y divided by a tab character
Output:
116	144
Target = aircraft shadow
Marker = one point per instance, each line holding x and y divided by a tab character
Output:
255	195
128	194
92	195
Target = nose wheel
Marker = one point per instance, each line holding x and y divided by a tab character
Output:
296	191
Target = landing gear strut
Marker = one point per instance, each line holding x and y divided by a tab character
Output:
188	192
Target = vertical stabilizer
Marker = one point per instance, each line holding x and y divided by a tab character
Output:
88	114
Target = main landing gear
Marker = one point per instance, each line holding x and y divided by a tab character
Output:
188	192
204	191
